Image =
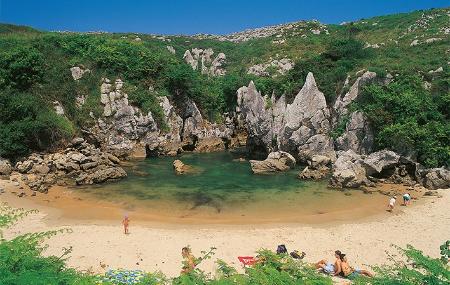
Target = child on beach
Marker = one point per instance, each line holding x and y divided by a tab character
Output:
406	199
392	203
189	260
125	223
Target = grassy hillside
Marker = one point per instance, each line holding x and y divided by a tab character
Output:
34	72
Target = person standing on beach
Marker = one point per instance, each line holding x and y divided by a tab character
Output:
189	262
125	223
392	203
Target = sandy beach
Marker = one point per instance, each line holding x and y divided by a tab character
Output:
100	245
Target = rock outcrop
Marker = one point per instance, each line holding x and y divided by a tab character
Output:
78	72
81	163
434	178
307	126
281	66
275	162
257	117
358	134
301	128
352	170
125	130
122	126
199	58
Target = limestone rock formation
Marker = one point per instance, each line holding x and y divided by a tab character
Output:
78	72
5	167
353	170
358	135
256	116
59	109
80	163
318	168
275	162
181	168
348	171
380	161
435	178
307	124
342	102
188	131
199	58
171	49
281	67
122	125
301	128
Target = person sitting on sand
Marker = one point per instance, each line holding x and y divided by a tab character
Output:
406	199
392	203
189	260
349	272
125	223
329	267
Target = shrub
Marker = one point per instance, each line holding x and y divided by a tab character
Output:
21	260
21	67
417	270
407	120
27	124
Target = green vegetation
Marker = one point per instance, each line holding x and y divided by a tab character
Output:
22	263
34	67
407	119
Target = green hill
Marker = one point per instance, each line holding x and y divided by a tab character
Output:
35	73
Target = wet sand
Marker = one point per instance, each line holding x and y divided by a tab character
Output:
69	206
156	245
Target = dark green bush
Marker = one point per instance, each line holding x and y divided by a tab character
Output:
21	67
407	120
27	123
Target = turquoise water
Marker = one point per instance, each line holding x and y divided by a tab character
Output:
220	186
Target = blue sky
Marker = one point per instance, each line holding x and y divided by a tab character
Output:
193	16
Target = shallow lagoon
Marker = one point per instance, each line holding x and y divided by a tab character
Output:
223	189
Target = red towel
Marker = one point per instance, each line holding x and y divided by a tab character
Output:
247	260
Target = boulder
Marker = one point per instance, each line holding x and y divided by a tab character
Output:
348	171
181	168
318	168
101	175
435	178
5	167
379	162
309	173
275	162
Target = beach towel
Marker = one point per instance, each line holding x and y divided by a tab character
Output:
247	260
